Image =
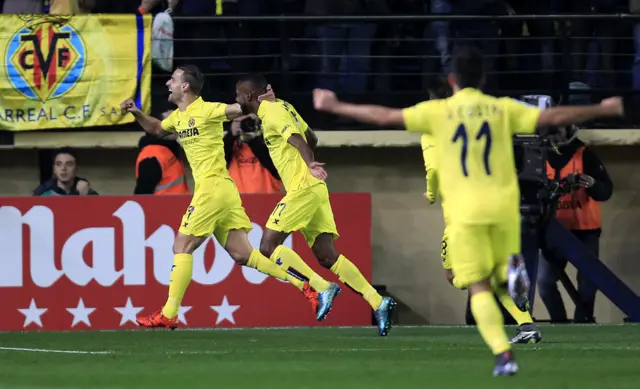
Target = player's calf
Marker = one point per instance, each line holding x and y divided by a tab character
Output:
270	241
325	251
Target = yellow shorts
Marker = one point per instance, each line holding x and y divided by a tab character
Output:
444	250
215	209
481	251
308	211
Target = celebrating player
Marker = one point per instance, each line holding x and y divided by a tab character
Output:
473	133
527	332
216	207
306	207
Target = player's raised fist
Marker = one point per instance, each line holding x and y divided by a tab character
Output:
614	104
128	105
323	99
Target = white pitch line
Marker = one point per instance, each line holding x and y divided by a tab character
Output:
44	350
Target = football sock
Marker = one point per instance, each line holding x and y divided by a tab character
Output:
508	304
490	322
350	275
293	265
181	273
264	265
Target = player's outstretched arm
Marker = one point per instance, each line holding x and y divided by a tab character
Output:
150	124
564	116
326	100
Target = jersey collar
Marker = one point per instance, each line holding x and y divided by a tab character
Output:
195	104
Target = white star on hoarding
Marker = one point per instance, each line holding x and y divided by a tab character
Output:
81	314
181	314
225	311
32	314
128	312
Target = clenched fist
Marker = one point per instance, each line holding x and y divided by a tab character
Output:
324	100
129	106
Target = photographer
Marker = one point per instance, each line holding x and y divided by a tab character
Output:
579	212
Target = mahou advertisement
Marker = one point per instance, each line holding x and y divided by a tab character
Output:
80	263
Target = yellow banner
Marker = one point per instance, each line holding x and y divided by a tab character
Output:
72	71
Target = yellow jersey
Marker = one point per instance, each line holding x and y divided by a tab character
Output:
199	130
474	137
279	122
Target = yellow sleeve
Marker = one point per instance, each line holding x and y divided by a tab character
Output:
417	118
430	165
523	118
169	124
215	112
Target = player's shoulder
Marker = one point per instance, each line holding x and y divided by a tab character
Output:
211	106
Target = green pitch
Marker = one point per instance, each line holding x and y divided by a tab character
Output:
328	358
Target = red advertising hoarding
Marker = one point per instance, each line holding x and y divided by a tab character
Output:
92	262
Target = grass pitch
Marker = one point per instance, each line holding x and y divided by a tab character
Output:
308	358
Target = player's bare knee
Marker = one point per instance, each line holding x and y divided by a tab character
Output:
238	246
267	248
480	286
186	244
325	251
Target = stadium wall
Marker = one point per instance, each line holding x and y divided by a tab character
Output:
406	231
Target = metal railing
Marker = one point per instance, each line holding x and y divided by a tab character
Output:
391	60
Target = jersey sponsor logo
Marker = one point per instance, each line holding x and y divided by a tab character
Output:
117	258
188	133
45	58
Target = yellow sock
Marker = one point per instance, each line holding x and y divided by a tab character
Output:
289	260
508	304
489	322
262	264
350	275
180	278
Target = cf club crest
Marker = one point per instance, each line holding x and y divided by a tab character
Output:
45	58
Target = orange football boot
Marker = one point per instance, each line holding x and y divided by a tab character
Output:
311	295
157	320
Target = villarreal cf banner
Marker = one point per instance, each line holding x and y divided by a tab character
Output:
72	71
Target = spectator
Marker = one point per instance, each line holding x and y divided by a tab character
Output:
579	212
71	7
249	163
344	47
23	7
159	169
64	180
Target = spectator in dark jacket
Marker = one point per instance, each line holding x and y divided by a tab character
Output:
64	180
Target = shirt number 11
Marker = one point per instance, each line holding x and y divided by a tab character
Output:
462	135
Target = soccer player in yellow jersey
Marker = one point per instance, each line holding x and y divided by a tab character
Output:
478	180
527	332
305	207
216	207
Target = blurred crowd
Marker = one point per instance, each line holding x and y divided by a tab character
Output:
387	56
